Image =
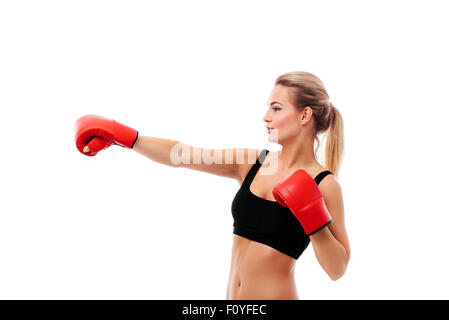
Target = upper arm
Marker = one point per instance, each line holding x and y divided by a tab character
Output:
333	198
230	163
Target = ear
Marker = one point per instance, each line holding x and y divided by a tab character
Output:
306	115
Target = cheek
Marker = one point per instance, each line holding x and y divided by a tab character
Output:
285	121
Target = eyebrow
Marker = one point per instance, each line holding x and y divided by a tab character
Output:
275	102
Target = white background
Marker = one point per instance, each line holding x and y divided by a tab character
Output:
119	226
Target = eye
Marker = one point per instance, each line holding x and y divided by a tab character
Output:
276	109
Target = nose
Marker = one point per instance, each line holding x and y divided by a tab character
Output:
266	117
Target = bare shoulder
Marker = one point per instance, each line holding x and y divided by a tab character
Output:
331	190
329	183
333	197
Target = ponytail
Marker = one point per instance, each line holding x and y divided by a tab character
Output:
334	142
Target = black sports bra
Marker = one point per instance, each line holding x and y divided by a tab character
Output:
266	221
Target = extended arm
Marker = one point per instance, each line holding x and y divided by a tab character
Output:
94	133
222	162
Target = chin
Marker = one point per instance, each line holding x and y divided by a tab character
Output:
273	137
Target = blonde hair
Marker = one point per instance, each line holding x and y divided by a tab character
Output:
307	90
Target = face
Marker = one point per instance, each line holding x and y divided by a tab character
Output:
282	117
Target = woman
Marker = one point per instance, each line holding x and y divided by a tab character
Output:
269	236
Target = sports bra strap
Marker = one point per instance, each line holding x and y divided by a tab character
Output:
252	172
321	176
262	156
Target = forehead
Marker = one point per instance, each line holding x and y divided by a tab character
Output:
280	94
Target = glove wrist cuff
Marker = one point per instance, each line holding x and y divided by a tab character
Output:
124	135
314	216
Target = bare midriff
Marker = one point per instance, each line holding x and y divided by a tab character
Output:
260	272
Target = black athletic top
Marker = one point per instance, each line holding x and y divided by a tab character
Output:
266	221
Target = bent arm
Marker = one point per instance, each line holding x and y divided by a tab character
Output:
331	245
330	253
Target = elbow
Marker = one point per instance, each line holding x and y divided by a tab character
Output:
336	274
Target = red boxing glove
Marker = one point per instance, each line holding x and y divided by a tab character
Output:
301	195
99	133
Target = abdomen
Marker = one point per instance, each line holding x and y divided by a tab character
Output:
260	272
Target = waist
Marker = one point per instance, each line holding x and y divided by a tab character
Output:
261	290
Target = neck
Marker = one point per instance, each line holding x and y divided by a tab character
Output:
297	154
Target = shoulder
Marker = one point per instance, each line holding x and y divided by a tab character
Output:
329	182
331	190
332	193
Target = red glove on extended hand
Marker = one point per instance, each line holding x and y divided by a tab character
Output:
301	195
99	133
